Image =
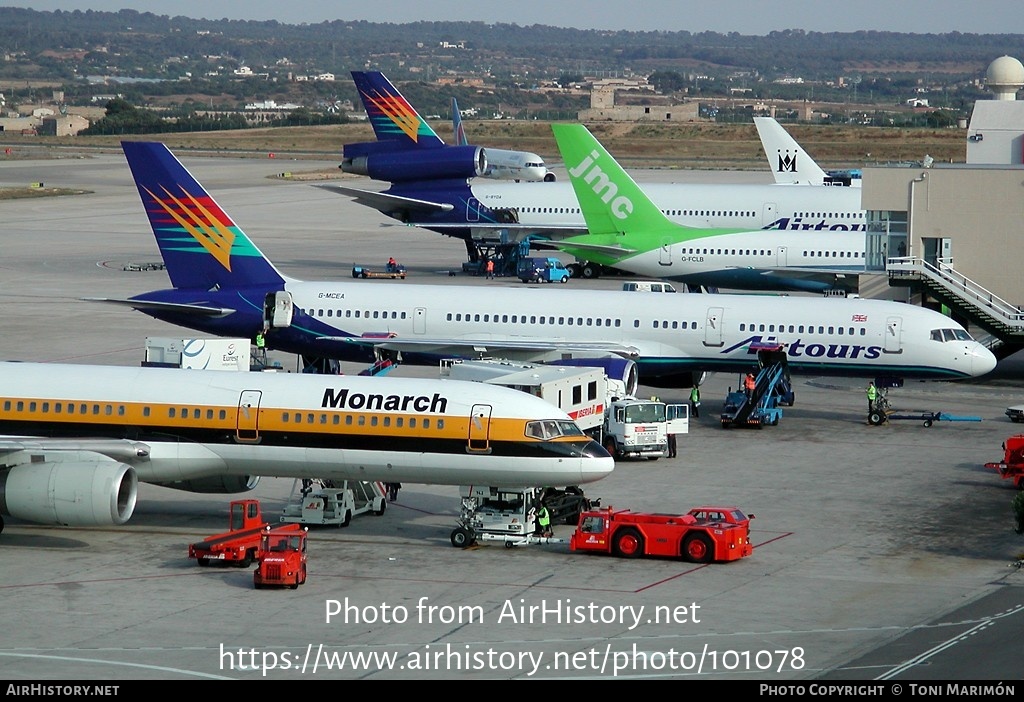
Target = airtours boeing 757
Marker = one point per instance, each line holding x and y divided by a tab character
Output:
223	285
76	440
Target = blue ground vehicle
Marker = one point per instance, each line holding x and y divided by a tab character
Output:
542	270
772	389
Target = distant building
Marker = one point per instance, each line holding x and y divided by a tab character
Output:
996	131
17	124
63	125
604	104
271	105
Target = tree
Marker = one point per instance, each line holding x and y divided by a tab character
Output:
667	82
940	119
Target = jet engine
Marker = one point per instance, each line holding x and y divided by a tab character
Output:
380	161
79	489
215	484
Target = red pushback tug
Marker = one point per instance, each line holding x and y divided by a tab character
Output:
702	535
1012	465
282	557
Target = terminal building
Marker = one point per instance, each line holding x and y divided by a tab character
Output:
952	235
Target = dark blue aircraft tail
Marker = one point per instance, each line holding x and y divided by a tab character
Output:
201	245
392	117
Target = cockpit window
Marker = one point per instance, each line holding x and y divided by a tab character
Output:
951	335
569	429
552	429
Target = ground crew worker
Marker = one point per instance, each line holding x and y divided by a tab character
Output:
393	489
490	268
261	347
749	383
543	521
695	402
1018	511
872	392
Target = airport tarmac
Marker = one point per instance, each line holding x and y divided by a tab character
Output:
881	553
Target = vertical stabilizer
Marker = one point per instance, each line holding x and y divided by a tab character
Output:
391	115
201	245
459	129
609	198
789	163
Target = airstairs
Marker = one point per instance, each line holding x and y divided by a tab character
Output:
772	388
1001	320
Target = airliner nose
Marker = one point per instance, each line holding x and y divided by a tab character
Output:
596	463
983	361
594	469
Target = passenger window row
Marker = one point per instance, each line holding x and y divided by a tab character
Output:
360	420
801	329
357	314
184	413
768	252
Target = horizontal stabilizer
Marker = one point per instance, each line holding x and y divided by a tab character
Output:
386	202
201	310
610	250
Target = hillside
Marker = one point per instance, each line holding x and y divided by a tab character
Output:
688	146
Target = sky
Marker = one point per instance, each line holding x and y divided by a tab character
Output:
749	17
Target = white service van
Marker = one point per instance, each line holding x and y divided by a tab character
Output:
648	286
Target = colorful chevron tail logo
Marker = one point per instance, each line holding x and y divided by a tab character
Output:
206	223
398	110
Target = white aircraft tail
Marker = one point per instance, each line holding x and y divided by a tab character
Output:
789	163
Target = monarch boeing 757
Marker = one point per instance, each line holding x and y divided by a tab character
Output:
76	440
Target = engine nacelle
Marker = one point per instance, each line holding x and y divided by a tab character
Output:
623	377
419	164
215	484
68	490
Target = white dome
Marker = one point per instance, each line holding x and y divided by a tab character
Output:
1005	71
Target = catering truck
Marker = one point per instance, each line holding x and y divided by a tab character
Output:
202	354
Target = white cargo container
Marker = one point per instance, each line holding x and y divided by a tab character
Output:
200	354
581	392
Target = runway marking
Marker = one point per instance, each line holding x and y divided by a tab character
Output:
60	583
160	668
948	643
